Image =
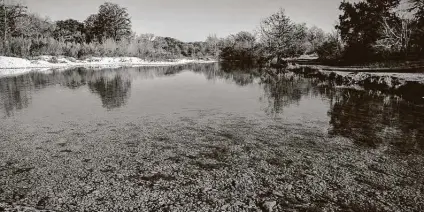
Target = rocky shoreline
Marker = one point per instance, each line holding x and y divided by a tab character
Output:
405	85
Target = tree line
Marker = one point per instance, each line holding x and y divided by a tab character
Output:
106	33
368	30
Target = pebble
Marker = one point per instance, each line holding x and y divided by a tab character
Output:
278	194
269	206
225	206
299	197
289	187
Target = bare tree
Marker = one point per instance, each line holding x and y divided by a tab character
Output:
417	5
396	36
212	45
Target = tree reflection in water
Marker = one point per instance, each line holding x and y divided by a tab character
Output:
373	119
113	92
281	90
13	94
112	85
369	118
232	74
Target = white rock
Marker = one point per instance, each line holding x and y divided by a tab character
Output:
269	206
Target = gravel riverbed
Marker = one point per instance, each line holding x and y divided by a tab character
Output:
205	163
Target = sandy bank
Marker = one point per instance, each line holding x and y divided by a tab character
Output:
13	65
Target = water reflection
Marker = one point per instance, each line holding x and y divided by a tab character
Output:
283	90
14	94
367	117
372	119
73	79
113	92
112	85
233	74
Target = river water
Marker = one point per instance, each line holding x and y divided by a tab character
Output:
61	131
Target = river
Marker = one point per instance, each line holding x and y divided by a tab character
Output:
205	137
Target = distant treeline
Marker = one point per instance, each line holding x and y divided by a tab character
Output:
369	30
107	33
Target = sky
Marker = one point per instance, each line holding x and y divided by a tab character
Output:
194	20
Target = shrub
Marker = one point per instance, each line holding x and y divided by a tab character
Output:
71	49
19	47
136	47
53	60
331	49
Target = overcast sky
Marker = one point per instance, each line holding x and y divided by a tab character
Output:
194	20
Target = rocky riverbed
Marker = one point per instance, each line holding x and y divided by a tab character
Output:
204	164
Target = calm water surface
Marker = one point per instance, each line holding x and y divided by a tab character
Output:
66	99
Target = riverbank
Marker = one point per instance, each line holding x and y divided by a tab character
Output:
14	65
394	69
403	66
409	86
357	74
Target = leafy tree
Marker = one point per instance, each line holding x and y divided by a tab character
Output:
315	37
70	30
113	21
93	29
240	47
13	14
173	46
360	25
331	48
33	26
281	37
